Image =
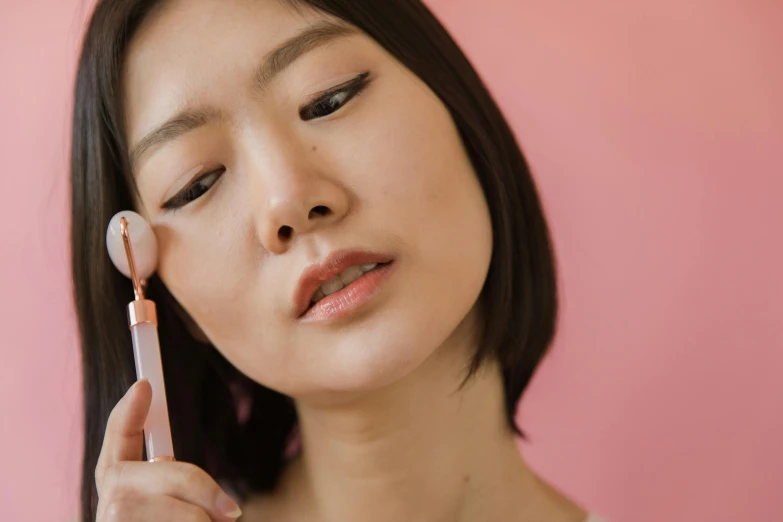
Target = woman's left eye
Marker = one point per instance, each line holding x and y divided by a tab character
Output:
334	100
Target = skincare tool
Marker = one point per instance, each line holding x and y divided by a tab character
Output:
133	250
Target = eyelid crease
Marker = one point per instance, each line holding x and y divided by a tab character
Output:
188	177
175	203
328	93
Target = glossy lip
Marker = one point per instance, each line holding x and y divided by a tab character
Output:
315	275
351	299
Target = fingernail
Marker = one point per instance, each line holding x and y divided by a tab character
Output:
226	506
136	385
133	391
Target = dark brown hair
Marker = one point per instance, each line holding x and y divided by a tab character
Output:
519	297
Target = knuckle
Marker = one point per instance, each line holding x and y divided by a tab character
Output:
192	475
194	514
198	481
116	508
113	477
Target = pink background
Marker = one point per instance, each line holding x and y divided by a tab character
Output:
655	129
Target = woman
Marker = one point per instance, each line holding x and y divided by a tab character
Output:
272	143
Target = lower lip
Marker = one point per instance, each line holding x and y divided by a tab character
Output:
350	299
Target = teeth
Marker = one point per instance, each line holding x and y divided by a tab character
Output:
345	278
333	285
351	274
318	296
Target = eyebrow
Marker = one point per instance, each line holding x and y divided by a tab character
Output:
274	63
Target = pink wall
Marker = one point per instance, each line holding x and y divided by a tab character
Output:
656	132
39	374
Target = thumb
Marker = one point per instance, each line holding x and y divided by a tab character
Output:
124	438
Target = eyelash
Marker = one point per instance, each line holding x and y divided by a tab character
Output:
194	190
350	89
319	108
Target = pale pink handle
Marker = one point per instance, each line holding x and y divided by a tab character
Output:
146	350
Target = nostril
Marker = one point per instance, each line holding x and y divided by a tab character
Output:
284	232
319	210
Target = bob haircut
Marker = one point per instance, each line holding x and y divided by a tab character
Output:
518	302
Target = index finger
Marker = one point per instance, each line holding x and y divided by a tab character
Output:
124	438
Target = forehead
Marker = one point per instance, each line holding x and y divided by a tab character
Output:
186	51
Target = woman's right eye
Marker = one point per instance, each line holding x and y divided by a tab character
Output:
194	190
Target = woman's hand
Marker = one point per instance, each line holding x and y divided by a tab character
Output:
130	490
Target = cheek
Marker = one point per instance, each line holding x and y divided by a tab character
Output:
425	189
418	184
215	274
446	214
206	269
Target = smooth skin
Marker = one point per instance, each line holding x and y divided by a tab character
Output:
387	433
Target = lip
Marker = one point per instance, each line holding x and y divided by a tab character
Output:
315	275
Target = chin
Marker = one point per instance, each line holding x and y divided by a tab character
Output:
368	359
362	368
386	346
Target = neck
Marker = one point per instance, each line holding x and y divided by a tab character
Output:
423	449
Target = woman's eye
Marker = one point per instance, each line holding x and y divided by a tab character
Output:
194	190
334	100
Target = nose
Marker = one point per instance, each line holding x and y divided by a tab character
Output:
296	202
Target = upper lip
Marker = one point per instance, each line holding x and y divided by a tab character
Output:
315	275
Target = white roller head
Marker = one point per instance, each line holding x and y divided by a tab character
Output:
142	238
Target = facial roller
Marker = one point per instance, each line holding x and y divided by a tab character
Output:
143	322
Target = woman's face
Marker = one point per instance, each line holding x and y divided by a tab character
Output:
273	166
